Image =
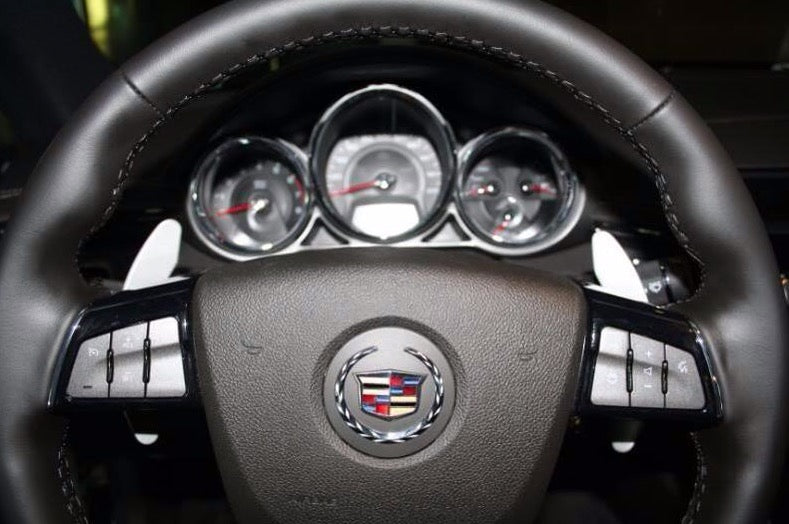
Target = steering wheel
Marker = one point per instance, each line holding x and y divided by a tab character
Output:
499	356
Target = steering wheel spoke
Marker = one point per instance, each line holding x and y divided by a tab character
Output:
643	362
132	349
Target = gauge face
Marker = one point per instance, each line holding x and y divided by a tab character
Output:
515	188
250	196
382	160
384	185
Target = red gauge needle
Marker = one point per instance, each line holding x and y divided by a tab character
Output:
543	188
361	186
238	208
501	227
299	187
486	189
383	181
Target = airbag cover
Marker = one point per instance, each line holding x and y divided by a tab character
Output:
266	331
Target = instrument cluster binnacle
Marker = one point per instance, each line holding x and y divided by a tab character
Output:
383	167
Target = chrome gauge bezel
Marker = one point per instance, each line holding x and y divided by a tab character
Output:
320	219
566	218
445	145
201	222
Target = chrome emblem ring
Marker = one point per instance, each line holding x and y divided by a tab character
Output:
389	391
389	437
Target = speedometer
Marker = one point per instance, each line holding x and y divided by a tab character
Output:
382	160
383	185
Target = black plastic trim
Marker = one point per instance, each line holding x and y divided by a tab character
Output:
121	310
657	323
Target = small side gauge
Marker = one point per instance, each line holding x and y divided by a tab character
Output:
516	191
382	159
250	196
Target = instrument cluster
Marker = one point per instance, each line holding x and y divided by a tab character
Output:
383	167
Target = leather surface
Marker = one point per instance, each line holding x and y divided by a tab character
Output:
41	290
73	187
234	32
513	338
739	308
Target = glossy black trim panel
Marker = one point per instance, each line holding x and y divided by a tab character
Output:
121	310
653	322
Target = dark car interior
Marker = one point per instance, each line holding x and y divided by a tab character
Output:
395	260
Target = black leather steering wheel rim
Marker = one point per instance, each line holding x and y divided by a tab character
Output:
738	307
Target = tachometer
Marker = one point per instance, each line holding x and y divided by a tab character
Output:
250	196
382	161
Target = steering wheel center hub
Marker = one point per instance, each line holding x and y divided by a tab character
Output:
378	376
389	392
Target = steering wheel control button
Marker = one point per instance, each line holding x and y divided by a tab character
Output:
609	386
647	372
166	372
89	374
683	383
389	392
128	361
636	371
145	357
614	342
143	360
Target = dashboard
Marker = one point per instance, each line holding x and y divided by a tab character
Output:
383	167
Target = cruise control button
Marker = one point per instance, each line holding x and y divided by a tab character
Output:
127	348
89	374
167	368
647	371
684	383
